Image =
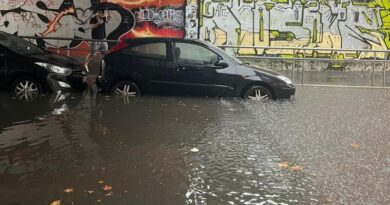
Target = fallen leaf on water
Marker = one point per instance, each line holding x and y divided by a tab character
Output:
99	200
69	190
101	182
57	202
194	150
109	194
107	188
90	192
296	168
325	200
283	165
355	145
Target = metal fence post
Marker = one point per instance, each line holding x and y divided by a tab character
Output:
58	46
384	69
293	66
303	68
68	48
373	70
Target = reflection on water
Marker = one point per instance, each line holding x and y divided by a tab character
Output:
316	149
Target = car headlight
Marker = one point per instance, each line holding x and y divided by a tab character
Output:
55	69
285	79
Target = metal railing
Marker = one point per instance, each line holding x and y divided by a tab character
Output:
294	54
56	46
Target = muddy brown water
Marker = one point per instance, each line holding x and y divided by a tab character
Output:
327	146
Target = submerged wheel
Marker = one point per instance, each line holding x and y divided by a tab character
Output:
26	89
125	89
258	93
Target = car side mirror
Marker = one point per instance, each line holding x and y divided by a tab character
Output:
221	64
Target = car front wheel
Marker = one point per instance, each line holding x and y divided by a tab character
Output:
126	88
26	89
258	93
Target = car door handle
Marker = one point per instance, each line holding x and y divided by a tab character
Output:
180	68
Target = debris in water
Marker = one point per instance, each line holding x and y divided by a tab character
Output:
101	182
181	103
194	150
107	188
283	165
57	202
69	190
355	145
296	168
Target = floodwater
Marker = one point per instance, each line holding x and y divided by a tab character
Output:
327	146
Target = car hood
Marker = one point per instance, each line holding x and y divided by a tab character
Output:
59	60
251	70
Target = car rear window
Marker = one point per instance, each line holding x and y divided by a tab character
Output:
150	50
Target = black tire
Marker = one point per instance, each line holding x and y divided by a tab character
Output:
125	89
26	89
258	93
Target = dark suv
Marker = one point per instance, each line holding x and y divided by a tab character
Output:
186	67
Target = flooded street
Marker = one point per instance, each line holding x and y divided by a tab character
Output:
327	146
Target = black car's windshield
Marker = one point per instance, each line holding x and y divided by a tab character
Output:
19	45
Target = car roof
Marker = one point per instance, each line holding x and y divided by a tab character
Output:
158	39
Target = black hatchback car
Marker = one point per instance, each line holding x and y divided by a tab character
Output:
27	70
186	67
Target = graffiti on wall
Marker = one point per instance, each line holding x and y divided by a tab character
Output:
70	19
192	19
340	24
156	17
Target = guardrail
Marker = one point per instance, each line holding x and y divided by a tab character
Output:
67	48
303	52
295	54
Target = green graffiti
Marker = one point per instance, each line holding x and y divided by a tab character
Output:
261	27
368	19
315	31
282	36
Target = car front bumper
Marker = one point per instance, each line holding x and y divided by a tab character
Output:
284	91
73	82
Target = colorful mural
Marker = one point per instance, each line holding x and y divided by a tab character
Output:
340	24
70	19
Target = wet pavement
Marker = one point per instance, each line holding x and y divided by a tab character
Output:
327	146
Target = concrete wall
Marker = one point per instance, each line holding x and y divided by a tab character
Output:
344	24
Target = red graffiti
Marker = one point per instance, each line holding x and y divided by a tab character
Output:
147	3
54	24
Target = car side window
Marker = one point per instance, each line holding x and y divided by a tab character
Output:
150	50
194	54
